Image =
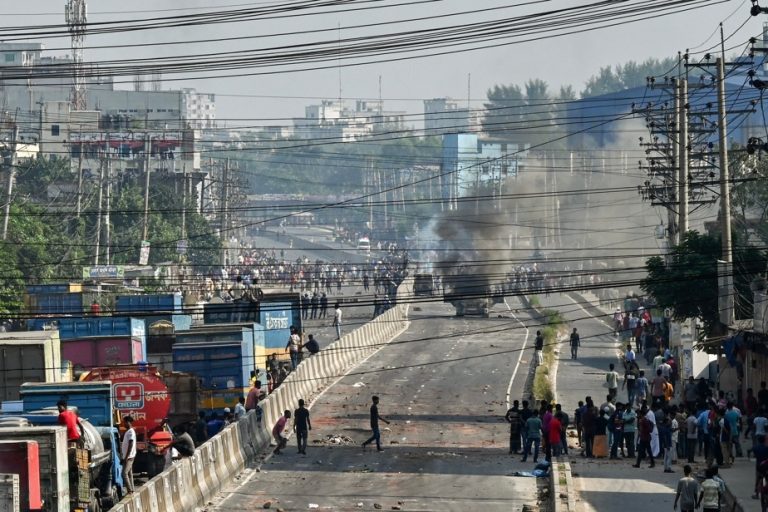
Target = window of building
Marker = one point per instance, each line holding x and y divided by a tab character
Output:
54	130
10	57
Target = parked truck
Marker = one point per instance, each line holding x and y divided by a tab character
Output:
87	478
157	401
29	357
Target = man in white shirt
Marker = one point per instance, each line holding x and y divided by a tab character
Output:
337	320
612	381
629	355
128	453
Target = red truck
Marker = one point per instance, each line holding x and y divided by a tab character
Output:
157	401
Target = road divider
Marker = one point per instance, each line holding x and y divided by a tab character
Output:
194	481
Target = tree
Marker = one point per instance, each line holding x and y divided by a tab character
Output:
688	283
626	76
504	109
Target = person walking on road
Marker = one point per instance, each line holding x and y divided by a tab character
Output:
375	417
642	387
337	319
514	420
612	380
532	436
710	494
278	429
538	349
644	444
575	343
687	493
301	426
128	453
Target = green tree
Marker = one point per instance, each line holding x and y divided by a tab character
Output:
504	109
688	282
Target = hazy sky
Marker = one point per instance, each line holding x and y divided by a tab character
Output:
569	59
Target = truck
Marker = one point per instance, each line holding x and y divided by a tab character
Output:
29	357
224	358
424	284
71	478
156	400
470	296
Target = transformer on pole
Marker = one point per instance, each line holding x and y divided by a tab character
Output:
75	12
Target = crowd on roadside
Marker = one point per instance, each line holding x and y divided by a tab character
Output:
654	419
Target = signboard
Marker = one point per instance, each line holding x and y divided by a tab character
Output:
181	247
104	272
129	395
144	253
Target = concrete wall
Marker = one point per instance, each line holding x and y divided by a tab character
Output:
196	480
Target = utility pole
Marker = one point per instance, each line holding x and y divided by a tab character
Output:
102	165
726	270
224	200
147	155
80	175
9	162
183	207
682	157
107	230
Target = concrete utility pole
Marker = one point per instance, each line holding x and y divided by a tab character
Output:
80	175
147	157
107	230
102	165
9	162
682	157
726	270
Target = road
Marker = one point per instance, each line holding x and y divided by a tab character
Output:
443	384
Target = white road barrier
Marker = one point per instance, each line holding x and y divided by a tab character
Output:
194	481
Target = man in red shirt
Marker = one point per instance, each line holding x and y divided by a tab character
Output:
553	436
253	396
70	420
278	429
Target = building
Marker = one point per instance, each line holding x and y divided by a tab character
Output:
28	79
331	120
443	115
470	163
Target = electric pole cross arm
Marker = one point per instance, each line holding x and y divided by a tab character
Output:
757	10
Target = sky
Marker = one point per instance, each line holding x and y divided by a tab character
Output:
273	99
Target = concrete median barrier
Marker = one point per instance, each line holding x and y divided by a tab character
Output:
194	481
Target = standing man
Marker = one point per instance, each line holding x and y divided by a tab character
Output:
301	426
575	343
278	429
538	348
644	445
514	420
375	417
253	396
641	387
240	408
532	436
292	347
70	420
612	379
691	434
337	319
128	453
688	489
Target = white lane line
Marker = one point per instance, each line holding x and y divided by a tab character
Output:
519	357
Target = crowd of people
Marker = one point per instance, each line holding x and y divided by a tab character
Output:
656	419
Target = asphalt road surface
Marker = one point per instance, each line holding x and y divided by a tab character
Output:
444	385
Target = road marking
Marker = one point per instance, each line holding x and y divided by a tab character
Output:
519	357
